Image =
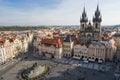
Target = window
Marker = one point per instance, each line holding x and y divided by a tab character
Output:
96	25
82	34
83	26
88	35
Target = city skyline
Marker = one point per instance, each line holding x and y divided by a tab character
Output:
56	12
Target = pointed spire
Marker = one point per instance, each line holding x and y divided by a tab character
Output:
84	9
97	12
84	16
84	12
97	16
97	7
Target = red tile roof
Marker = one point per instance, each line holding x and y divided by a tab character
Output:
75	40
59	37
2	39
56	42
11	39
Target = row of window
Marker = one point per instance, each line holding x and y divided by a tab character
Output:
87	57
79	52
83	26
67	55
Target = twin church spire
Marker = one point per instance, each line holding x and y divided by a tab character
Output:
96	17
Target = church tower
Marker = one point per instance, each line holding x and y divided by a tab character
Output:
83	20
90	32
97	24
83	25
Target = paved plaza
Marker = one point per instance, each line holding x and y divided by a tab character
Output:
89	65
64	69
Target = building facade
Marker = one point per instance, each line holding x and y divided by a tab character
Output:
96	52
51	48
11	46
100	51
68	46
80	51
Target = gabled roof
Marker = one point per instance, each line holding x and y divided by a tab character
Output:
2	40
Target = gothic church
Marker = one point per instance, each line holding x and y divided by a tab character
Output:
90	32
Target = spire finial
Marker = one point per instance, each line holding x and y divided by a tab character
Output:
97	16
84	8
97	5
84	12
84	15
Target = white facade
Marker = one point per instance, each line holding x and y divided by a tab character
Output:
80	51
51	50
67	49
2	55
11	47
97	51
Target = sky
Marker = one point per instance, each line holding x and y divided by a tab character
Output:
56	12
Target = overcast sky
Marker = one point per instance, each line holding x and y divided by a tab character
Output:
56	12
